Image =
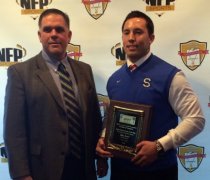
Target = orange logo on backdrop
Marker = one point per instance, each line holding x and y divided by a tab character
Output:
193	53
74	51
95	8
191	156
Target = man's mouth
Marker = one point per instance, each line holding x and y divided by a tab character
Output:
132	47
54	43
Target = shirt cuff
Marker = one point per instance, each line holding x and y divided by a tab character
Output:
166	142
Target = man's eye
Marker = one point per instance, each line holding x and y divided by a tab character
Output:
59	29
47	29
126	32
138	32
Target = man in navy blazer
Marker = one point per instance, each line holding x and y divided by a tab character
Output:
36	130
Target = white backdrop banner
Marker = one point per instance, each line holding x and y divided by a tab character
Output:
182	38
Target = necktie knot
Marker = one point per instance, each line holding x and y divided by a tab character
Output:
132	67
61	66
62	69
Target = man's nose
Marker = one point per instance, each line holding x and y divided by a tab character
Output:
53	32
131	36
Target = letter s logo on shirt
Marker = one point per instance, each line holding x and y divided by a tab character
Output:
147	82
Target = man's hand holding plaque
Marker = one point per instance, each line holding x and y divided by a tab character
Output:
126	125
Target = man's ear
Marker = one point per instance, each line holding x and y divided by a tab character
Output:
152	38
70	35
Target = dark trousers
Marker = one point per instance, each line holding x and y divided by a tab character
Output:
170	173
73	169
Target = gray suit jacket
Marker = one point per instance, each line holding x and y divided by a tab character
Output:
35	123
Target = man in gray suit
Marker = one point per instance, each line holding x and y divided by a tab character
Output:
36	124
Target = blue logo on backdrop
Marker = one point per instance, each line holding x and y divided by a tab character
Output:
119	54
33	7
160	6
11	55
3	154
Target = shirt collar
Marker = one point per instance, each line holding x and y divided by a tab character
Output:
140	61
54	61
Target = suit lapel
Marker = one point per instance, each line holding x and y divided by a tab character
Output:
45	76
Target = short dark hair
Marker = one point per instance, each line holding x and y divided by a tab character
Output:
54	11
139	14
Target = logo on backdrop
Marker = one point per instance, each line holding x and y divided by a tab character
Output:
191	156
193	53
96	8
33	7
9	56
118	52
74	51
103	103
160	6
3	154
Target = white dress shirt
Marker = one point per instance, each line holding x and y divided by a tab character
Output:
186	105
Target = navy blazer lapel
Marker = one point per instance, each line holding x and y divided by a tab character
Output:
44	74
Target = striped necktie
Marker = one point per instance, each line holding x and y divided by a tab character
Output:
73	112
132	67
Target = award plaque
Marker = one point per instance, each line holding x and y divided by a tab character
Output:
127	124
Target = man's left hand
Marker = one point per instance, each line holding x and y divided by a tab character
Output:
146	153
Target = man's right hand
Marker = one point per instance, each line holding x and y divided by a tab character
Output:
100	149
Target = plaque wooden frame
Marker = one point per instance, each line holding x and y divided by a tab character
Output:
127	124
